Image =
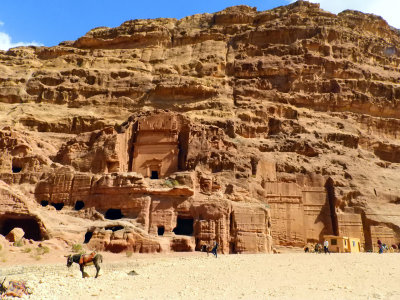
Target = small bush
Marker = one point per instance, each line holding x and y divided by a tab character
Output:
27	250
19	243
42	250
77	248
171	183
129	253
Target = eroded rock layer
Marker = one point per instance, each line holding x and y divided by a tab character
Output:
237	127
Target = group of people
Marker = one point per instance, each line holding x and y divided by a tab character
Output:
384	248
318	248
208	249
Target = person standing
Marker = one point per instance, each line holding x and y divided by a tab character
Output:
380	246
215	249
326	245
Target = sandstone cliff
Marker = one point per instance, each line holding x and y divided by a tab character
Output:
285	123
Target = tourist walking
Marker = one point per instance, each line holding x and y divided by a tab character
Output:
215	249
326	245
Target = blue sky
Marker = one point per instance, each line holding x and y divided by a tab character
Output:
48	23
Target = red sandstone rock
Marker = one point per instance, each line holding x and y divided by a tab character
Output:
282	124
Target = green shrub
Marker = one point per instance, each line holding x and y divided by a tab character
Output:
77	248
27	250
171	183
42	250
129	253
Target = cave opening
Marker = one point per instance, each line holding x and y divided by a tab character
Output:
16	169
114	228
28	224
330	194
44	203
154	175
88	236
114	214
58	206
160	230
79	205
184	226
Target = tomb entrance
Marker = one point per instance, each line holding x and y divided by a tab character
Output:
159	145
184	226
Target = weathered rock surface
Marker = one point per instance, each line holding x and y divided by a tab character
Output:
282	123
15	235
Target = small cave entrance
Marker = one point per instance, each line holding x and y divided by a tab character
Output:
114	214
44	203
184	226
160	230
331	198
16	169
28	224
58	206
79	205
88	236
154	175
114	228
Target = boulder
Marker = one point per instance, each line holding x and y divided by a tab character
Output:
15	234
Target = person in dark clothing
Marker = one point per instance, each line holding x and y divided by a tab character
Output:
380	246
215	249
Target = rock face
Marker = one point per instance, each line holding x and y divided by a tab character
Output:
243	127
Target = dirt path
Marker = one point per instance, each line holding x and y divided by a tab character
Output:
196	276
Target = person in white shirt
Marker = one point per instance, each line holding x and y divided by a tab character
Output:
326	245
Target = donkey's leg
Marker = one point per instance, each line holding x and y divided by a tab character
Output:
82	270
97	265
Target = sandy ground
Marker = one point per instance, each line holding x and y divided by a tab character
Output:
196	276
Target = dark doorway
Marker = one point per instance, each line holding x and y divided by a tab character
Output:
88	236
44	203
154	175
114	214
330	194
16	169
160	230
231	224
28	224
184	226
232	248
58	206
79	205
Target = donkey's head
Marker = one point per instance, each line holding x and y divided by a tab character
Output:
69	260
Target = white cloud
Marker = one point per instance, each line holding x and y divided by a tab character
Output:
387	9
6	43
1	23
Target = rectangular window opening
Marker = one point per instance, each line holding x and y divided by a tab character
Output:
154	175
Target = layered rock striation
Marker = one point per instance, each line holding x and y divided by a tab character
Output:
237	127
